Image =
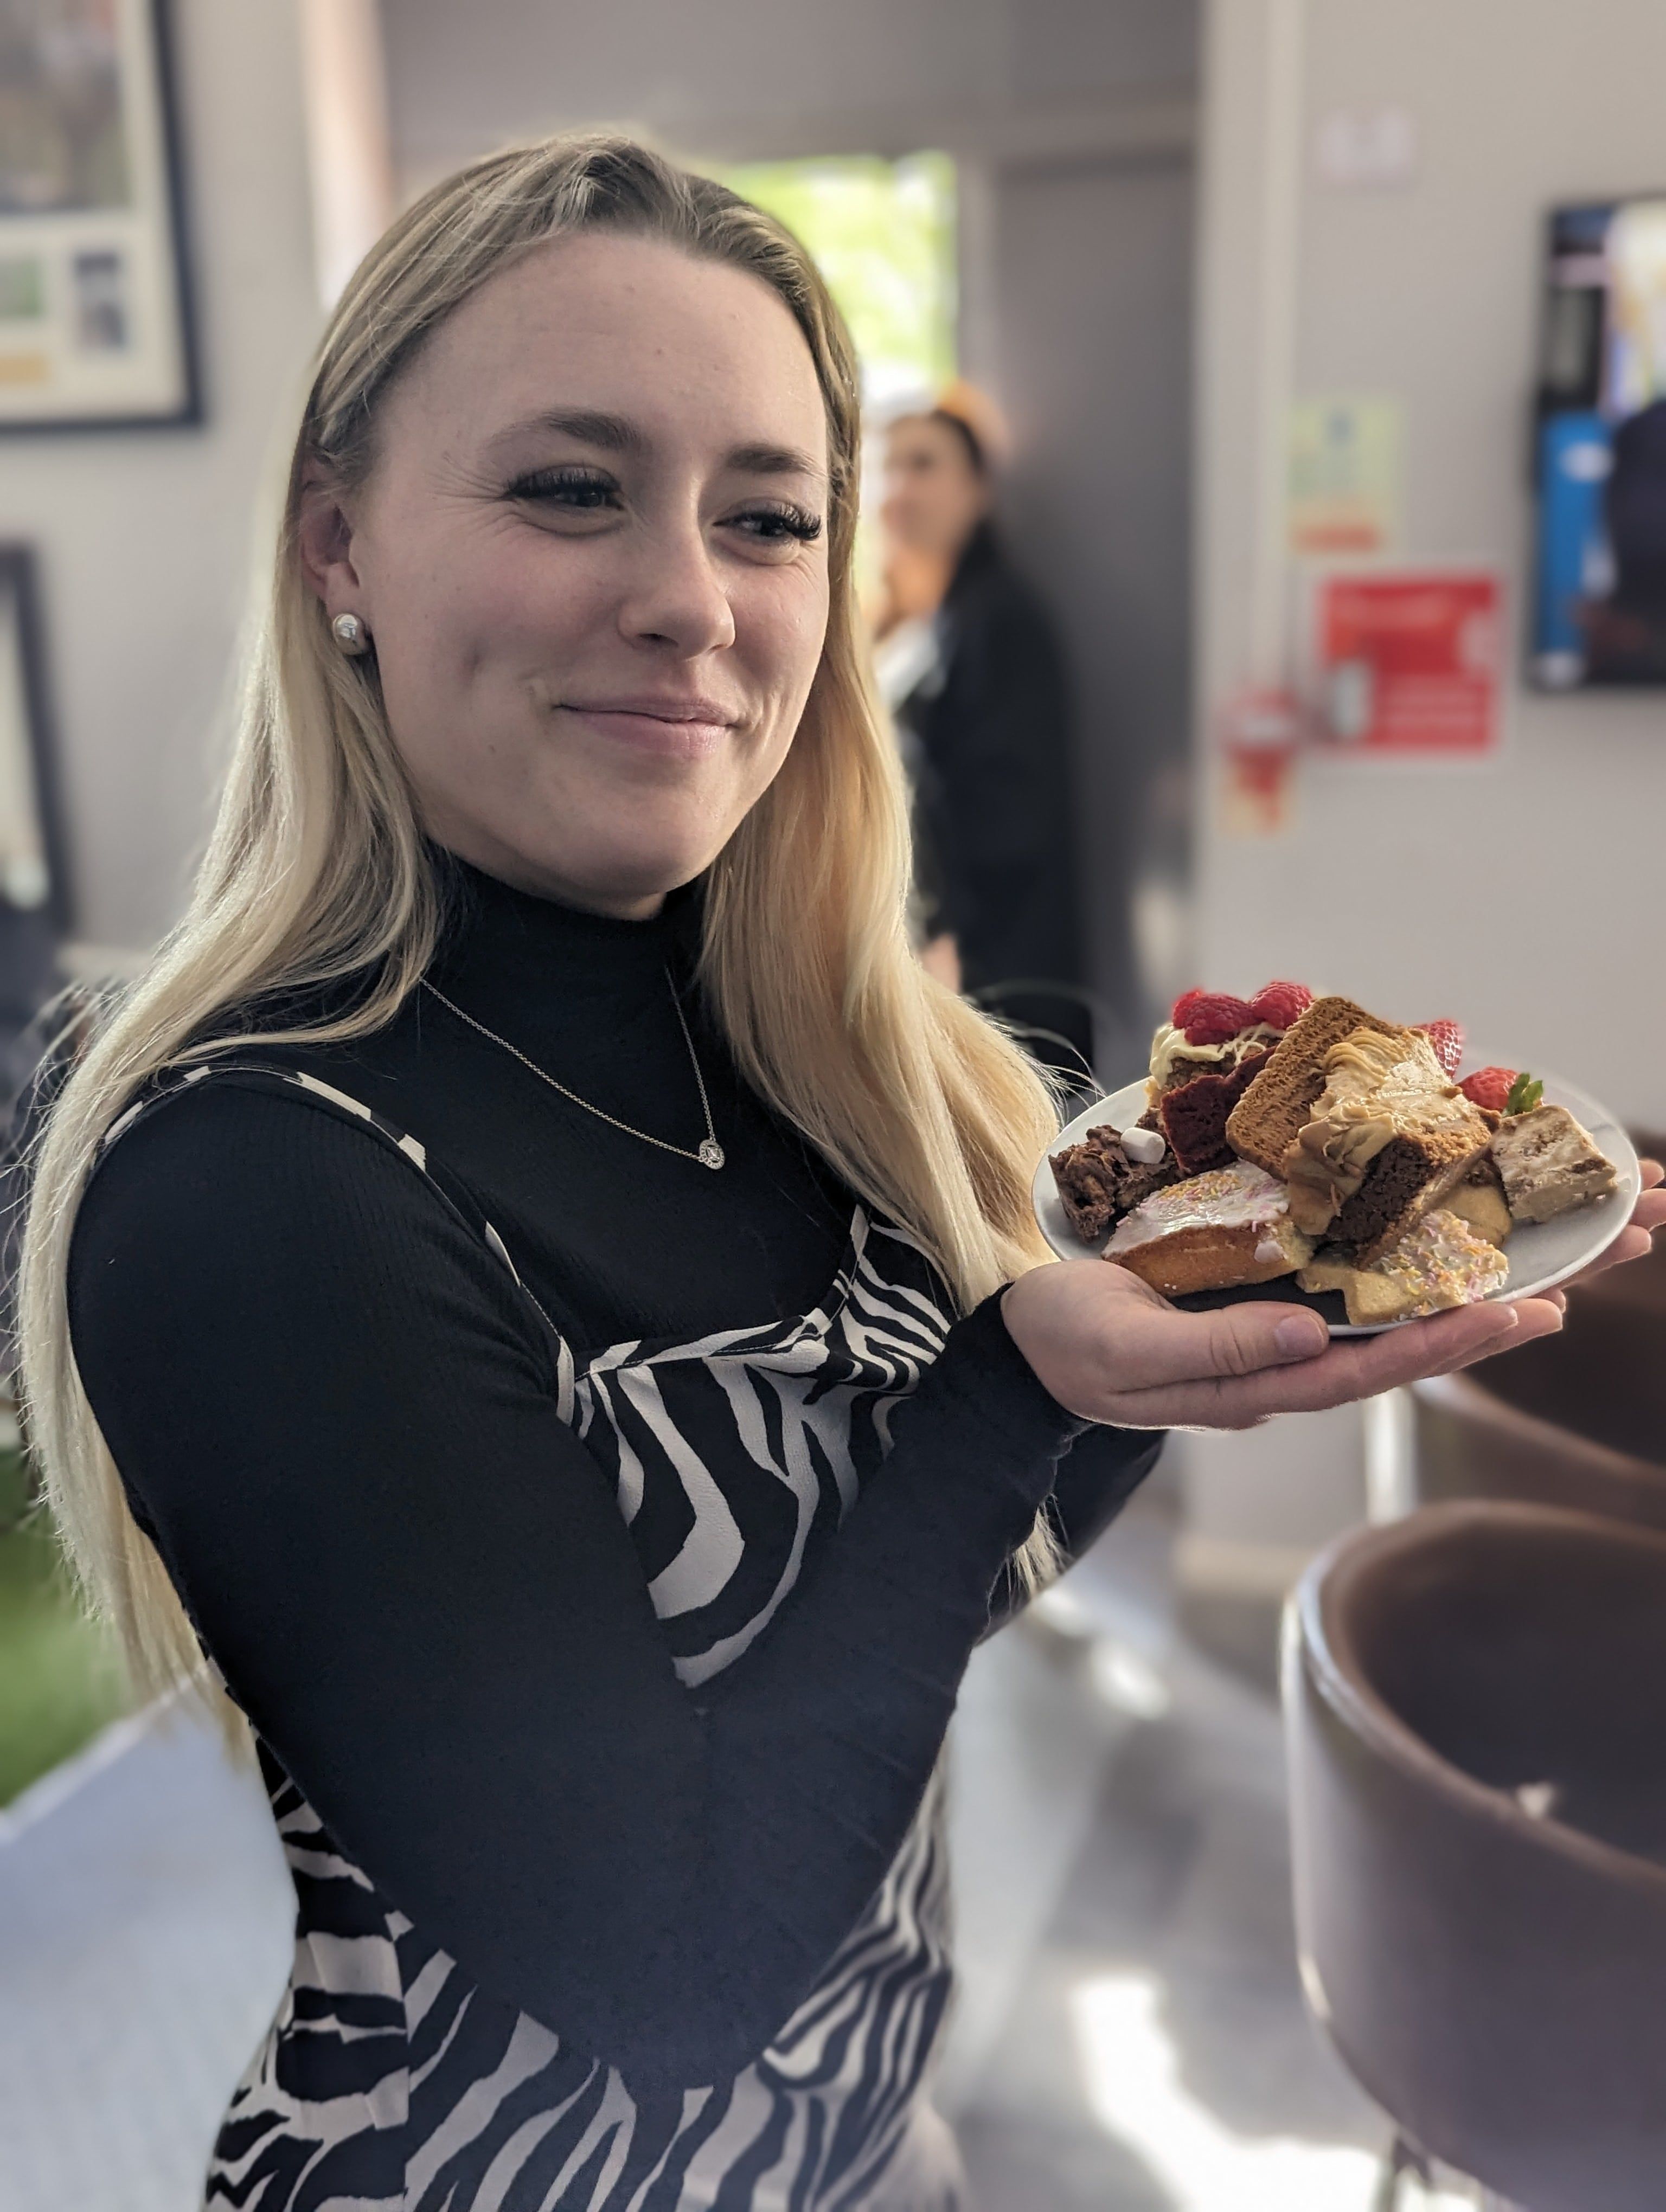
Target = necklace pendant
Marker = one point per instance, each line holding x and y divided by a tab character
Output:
710	1154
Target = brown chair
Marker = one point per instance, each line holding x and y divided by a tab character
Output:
1577	1419
1476	1703
1472	1442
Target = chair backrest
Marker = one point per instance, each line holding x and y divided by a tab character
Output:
1471	1442
1604	1376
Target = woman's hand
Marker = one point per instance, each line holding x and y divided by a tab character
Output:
1110	1348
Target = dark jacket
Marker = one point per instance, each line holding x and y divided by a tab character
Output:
992	803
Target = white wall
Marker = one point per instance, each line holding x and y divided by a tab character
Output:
1524	895
144	537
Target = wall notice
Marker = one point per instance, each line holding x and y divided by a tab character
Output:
1411	662
1343	495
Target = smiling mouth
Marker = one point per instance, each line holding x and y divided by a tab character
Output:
689	732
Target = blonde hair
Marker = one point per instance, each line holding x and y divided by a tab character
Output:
316	870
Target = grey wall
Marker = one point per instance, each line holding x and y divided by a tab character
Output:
1073	123
144	537
758	74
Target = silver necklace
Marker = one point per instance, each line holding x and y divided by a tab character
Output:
709	1153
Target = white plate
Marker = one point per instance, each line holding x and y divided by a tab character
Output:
1541	1254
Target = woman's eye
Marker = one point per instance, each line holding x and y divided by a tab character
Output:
780	525
580	491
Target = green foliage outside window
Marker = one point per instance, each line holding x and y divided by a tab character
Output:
883	235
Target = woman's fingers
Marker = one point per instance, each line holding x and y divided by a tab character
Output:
1637	1239
1362	1366
1353	1368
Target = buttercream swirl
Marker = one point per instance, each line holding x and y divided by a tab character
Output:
1376	1086
1171	1055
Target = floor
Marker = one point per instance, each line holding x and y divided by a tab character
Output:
1130	2035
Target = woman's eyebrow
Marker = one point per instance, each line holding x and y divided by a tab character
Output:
586	426
774	461
617	433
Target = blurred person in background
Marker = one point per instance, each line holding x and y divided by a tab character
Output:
533	1296
971	667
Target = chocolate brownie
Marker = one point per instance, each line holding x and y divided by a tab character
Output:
1098	1183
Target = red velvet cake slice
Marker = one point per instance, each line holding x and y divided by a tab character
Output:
1205	1057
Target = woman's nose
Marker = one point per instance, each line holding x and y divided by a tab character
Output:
675	596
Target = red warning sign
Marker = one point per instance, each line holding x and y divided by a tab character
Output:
1411	662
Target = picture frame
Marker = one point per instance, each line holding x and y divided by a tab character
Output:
34	877
96	328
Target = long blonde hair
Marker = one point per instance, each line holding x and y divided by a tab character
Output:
316	870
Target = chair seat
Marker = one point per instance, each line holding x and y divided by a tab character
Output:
1476	1705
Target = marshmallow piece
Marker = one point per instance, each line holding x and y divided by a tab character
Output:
1143	1146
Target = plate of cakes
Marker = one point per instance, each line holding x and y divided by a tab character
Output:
1304	1149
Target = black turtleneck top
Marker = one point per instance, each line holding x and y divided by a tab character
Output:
334	1413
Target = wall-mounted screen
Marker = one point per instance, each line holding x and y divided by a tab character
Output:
1599	600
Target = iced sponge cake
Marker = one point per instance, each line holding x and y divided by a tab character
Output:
1212	1233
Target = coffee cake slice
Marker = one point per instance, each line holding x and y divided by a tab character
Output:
1263	1124
1387	1139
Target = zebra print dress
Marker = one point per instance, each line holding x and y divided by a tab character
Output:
388	2082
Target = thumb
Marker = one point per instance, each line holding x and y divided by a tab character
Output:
1249	1336
1238	1340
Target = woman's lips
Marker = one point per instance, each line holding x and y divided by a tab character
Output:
679	737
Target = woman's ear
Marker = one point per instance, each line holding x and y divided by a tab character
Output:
324	538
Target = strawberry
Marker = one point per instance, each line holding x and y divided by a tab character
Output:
1210	1017
1447	1038
1279	1004
1489	1087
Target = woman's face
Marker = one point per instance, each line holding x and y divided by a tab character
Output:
591	555
934	498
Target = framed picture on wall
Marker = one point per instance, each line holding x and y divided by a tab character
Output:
95	320
33	876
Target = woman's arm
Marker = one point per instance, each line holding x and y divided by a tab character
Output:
335	1412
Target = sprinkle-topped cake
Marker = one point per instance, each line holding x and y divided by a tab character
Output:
1442	1262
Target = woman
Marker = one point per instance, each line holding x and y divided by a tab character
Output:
534	1246
985	718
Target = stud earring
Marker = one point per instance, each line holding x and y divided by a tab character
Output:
349	634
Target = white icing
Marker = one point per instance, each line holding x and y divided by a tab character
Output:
1144	1146
1267	1250
1170	1047
1238	1197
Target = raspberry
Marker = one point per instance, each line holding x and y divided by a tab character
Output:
1210	1017
1279	1004
1489	1087
1447	1038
